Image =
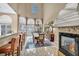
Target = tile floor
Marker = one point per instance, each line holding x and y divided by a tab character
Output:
39	51
30	44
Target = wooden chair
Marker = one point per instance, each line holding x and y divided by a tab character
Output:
8	49
52	37
35	37
22	36
19	45
37	40
23	39
41	39
13	47
19	42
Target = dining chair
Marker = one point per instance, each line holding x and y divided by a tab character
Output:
41	39
35	37
22	39
13	47
17	45
8	49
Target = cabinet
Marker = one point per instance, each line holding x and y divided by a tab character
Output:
52	37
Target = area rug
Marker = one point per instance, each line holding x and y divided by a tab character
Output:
30	43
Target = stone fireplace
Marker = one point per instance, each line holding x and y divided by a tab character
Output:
69	43
71	31
67	23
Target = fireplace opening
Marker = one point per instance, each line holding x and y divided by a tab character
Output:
69	44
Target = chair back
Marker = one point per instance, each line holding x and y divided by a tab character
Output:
20	39
41	36
23	38
17	42
13	44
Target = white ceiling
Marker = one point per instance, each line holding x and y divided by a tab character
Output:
69	8
5	8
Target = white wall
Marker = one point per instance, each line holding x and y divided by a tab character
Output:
5	19
51	11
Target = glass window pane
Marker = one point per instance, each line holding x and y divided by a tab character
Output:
34	8
22	24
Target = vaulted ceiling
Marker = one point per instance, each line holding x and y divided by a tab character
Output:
25	9
47	11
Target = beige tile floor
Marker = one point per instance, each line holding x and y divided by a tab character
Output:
40	51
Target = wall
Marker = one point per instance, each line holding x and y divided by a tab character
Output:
51	11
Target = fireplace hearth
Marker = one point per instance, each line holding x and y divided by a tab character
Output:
69	44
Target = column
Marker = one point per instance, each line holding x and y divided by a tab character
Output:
34	21
42	24
26	20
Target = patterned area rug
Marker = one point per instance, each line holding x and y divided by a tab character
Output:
30	49
30	43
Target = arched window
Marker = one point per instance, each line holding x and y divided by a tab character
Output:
38	25
30	21
5	24
22	24
35	8
39	21
30	26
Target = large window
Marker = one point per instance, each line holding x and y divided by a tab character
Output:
5	29
35	9
22	24
5	24
39	21
38	25
30	26
34	25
